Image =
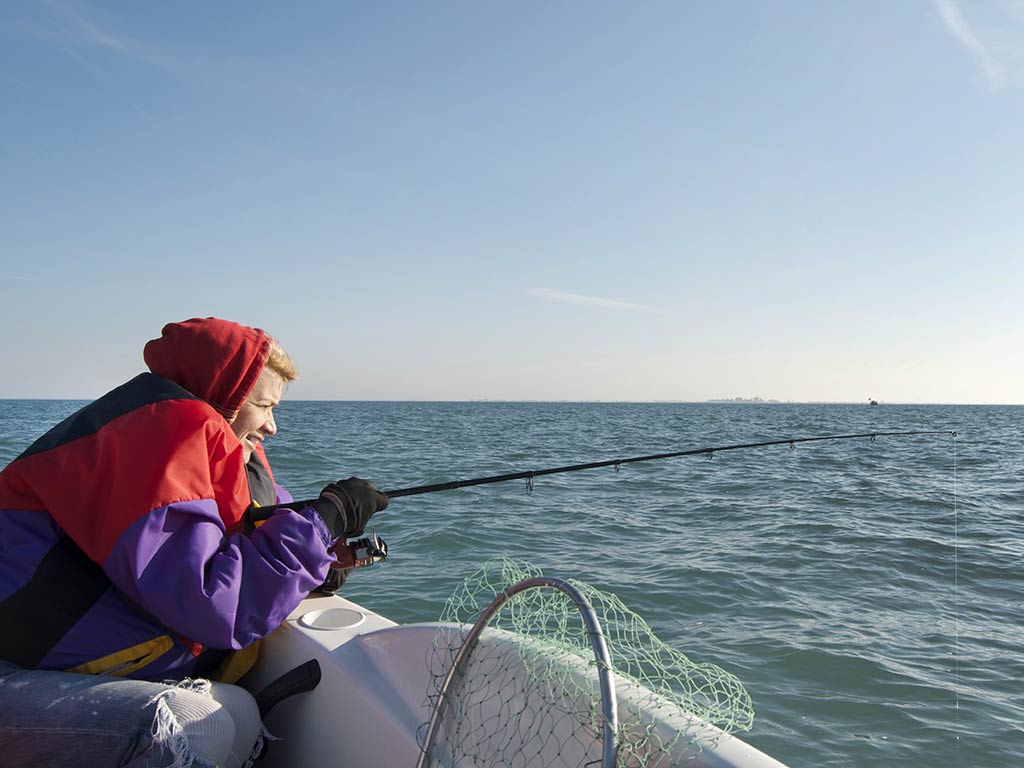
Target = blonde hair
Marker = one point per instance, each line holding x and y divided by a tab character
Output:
281	363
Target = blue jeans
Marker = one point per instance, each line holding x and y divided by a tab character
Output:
65	719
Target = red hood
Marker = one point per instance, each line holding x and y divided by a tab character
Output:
216	360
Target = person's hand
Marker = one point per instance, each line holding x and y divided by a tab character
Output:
347	505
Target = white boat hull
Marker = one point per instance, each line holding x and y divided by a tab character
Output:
372	698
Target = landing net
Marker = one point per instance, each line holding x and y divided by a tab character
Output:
529	687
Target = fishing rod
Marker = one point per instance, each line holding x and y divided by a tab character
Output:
372	549
529	475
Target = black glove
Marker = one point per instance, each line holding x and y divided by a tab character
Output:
347	505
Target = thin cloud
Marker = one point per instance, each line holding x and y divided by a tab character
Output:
593	301
24	279
88	31
72	27
66	24
278	154
78	31
961	31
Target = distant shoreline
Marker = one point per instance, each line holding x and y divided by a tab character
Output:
743	400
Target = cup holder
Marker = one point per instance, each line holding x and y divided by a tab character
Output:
332	618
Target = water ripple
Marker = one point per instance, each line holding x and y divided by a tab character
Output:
873	622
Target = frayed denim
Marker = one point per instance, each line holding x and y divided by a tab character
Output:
52	718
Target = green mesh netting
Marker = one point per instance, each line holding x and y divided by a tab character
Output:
529	693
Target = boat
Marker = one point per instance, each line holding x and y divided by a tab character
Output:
361	695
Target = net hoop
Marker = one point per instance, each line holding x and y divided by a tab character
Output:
609	703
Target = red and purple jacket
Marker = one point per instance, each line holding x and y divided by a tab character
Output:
123	544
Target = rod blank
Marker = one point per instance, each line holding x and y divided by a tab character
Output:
530	474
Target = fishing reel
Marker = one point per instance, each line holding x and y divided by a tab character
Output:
352	554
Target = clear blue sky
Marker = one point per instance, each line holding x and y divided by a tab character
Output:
526	200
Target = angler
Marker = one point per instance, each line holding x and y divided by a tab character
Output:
126	559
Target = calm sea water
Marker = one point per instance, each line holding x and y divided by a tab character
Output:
870	595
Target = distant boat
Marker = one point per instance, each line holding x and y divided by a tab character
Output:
872	401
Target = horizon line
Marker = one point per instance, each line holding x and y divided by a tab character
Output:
712	401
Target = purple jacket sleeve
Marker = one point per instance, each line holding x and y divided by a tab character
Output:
224	591
283	497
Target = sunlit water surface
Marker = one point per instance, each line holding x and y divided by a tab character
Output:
870	594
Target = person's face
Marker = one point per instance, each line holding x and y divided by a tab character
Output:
255	419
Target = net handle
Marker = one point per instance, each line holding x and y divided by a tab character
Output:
609	703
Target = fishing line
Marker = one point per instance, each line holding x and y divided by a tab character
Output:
709	452
956	596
